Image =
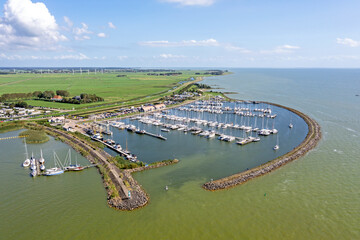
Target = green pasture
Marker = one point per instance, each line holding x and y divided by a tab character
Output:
108	86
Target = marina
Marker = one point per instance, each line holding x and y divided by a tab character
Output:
327	174
37	165
243	121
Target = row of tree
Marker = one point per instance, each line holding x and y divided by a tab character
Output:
201	85
48	95
20	104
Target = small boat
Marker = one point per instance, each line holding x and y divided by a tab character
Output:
164	130
138	131
291	125
41	160
56	170
42	167
211	135
72	167
33	173
274	131
277	143
166	188
53	171
26	163
32	163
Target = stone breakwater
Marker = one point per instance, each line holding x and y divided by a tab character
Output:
309	143
139	198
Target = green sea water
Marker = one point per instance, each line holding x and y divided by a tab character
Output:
315	197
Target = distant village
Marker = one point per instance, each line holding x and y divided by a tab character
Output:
167	101
10	113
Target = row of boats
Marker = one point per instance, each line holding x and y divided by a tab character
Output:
193	123
219	109
116	147
37	166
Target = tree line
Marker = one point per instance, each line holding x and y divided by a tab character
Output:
48	95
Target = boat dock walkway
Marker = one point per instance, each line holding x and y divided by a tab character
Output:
7	138
122	153
156	136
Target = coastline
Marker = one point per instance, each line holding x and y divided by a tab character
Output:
117	182
311	140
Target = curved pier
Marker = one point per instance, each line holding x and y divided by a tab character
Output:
310	142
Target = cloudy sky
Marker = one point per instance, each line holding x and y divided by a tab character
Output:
180	33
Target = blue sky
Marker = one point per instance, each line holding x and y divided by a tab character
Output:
180	33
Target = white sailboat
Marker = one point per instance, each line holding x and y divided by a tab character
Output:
55	170
276	147
71	167
32	162
27	162
290	124
41	159
42	167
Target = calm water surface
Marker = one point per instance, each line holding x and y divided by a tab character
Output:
316	197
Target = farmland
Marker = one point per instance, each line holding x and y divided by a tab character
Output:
113	89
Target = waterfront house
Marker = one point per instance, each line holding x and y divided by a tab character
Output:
57	119
159	106
147	108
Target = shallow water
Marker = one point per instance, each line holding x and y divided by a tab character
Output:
315	197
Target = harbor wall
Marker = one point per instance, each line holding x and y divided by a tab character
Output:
311	140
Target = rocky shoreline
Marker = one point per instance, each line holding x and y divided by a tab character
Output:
309	143
139	198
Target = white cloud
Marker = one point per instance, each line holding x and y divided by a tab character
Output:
121	58
192	2
101	35
82	33
69	23
20	57
281	50
348	41
79	56
196	43
28	25
111	25
233	48
184	43
170	56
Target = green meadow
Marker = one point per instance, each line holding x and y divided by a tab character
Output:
108	86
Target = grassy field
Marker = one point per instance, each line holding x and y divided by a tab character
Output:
108	86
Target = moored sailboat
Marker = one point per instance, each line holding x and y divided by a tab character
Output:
27	162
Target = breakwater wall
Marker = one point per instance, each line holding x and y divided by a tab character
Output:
139	198
309	143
